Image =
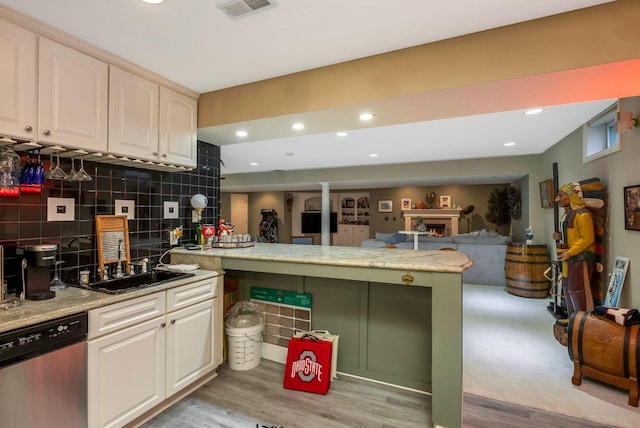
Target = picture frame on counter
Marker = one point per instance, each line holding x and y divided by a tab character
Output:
405	204
445	201
385	206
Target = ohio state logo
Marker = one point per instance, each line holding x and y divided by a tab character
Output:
307	367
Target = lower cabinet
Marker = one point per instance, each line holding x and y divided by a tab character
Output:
351	234
144	350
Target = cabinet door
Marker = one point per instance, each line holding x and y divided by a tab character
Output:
344	235
17	82
360	233
133	115
126	373
72	98
178	128
190	346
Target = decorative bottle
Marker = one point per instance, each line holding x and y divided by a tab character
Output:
529	231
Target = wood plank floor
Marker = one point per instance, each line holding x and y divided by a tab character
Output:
256	398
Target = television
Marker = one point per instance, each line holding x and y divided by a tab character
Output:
312	222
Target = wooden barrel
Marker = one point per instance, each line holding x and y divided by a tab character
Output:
606	351
524	270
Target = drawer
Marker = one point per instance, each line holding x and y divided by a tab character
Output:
181	297
125	314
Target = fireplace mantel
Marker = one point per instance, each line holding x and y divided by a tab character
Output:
447	216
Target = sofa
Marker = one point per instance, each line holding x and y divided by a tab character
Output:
486	248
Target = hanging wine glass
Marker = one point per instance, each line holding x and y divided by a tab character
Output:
56	173
82	175
71	173
9	168
38	174
25	173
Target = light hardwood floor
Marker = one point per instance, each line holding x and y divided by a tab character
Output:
256	398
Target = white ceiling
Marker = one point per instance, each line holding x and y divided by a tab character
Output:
194	44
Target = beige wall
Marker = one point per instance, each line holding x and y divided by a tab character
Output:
616	171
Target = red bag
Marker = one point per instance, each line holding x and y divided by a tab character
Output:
308	365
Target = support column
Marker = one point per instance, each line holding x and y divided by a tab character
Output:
326	209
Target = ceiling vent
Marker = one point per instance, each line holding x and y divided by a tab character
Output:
236	9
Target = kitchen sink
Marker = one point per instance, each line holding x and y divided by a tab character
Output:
135	282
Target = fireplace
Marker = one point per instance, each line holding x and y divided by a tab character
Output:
444	221
437	229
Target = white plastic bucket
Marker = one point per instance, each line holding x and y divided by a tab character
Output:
244	347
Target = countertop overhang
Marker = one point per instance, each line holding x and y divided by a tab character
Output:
381	258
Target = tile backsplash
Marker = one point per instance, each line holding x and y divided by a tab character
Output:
23	217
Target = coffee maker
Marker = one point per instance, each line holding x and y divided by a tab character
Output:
36	262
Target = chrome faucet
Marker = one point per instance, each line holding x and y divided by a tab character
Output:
119	273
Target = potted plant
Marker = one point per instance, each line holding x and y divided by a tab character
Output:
504	206
420	225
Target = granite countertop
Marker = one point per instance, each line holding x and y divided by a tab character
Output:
383	258
73	300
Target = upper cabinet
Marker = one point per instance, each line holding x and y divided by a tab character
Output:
150	122
133	115
17	82
54	94
178	128
72	98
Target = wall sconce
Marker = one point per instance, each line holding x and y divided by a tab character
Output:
199	202
625	121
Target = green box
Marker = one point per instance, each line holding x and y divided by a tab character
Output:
291	298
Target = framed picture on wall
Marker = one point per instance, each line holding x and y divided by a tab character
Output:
632	207
385	206
405	204
546	194
445	201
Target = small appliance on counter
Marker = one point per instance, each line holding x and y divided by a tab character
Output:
36	263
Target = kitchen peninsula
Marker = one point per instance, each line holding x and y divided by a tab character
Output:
391	273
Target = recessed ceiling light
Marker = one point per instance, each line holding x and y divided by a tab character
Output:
373	155
534	111
241	133
254	164
366	116
509	143
153	1
342	134
290	154
298	126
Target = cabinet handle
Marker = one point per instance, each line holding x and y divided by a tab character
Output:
46	132
155	153
173	321
28	128
164	155
163	325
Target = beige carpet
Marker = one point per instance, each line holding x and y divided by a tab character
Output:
510	355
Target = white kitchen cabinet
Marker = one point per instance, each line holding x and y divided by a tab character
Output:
126	373
72	97
177	129
150	122
190	349
133	115
351	234
17	82
144	350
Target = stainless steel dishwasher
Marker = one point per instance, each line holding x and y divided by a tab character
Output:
43	374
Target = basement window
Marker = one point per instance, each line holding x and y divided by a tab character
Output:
599	135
